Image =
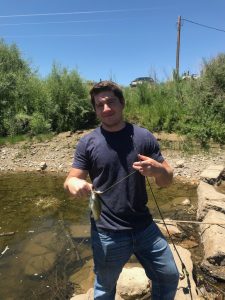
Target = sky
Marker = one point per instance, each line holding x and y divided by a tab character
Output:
118	40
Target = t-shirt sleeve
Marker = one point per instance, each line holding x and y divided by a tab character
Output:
154	148
80	160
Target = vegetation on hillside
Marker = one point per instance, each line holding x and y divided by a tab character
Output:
194	107
60	102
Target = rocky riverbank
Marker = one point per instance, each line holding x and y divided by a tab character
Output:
56	155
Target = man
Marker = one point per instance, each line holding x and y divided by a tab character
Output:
110	154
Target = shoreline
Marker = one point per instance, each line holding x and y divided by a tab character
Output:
56	155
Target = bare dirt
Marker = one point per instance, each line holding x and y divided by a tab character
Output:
56	155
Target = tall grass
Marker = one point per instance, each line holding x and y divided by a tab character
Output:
154	106
186	107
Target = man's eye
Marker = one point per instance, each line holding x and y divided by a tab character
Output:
100	105
112	101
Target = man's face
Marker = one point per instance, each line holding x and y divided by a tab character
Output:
109	110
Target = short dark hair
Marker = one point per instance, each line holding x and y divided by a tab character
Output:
106	85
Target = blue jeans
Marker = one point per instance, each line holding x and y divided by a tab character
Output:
111	250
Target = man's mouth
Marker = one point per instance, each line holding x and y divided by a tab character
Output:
107	115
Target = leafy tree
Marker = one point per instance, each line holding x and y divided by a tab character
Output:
14	73
213	74
38	124
70	107
204	116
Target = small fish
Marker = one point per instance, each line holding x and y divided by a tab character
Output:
95	205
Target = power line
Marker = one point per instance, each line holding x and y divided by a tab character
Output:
62	22
53	35
54	22
202	25
76	13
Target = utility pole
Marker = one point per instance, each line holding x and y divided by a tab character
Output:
178	46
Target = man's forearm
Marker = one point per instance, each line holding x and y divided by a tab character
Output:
165	178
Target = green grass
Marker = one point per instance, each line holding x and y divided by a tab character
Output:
13	139
186	107
21	138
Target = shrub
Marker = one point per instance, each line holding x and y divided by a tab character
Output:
38	124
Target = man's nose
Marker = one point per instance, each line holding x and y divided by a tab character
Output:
106	107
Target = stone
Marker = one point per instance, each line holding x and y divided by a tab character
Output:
212	237
217	272
182	289
38	256
172	228
212	173
40	264
79	231
188	244
84	278
179	164
43	165
133	283
89	296
209	198
186	202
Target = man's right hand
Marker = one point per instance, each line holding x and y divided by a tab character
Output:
78	187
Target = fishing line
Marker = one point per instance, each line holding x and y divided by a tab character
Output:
168	222
184	269
117	182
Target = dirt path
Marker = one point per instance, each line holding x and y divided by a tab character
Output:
58	155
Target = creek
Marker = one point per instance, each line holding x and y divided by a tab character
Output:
38	213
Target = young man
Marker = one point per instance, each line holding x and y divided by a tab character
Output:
108	155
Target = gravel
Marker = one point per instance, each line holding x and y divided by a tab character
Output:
56	155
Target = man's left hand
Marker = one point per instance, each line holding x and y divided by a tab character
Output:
148	166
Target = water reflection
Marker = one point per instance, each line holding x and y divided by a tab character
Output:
51	239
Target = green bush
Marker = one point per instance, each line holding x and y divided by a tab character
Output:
38	124
60	102
70	107
194	107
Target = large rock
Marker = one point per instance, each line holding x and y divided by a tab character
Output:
84	278
212	237
134	285
40	253
183	290
212	173
90	296
209	199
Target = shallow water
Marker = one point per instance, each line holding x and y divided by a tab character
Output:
24	200
36	208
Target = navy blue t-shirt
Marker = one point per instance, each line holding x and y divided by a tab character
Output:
108	157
